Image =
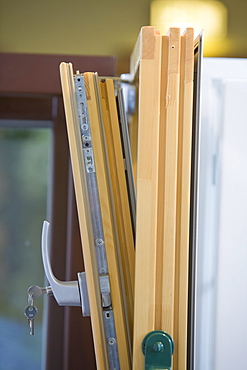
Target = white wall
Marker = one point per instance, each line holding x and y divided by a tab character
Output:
231	303
222	251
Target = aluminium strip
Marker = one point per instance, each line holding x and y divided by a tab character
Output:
96	217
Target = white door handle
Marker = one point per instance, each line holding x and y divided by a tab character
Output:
66	293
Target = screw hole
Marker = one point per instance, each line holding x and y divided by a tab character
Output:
111	341
107	315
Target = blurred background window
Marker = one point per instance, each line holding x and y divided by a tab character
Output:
24	186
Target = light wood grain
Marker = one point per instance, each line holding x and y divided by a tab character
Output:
119	186
108	220
170	194
147	189
163	267
183	195
154	277
161	140
84	215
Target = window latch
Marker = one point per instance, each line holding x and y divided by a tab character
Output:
66	293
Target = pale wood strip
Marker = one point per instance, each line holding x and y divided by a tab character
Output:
161	184
170	194
121	201
109	227
144	48
135	57
183	194
147	190
84	214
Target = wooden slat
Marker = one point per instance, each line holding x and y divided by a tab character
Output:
147	189
163	69
161	141
109	226
168	210
170	193
119	186
183	194
136	56
84	215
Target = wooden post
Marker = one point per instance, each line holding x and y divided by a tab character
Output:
120	193
149	45
183	195
170	187
154	278
83	214
108	218
163	66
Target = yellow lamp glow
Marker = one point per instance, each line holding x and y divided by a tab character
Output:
211	16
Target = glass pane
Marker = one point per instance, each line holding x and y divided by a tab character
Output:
24	162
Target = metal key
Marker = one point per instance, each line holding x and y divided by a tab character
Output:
30	312
36	291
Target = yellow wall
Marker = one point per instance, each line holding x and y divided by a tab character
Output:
96	27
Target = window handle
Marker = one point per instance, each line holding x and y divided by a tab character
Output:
66	293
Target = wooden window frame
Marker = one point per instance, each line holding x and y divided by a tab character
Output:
30	90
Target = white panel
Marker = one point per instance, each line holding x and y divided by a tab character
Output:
222	242
231	322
